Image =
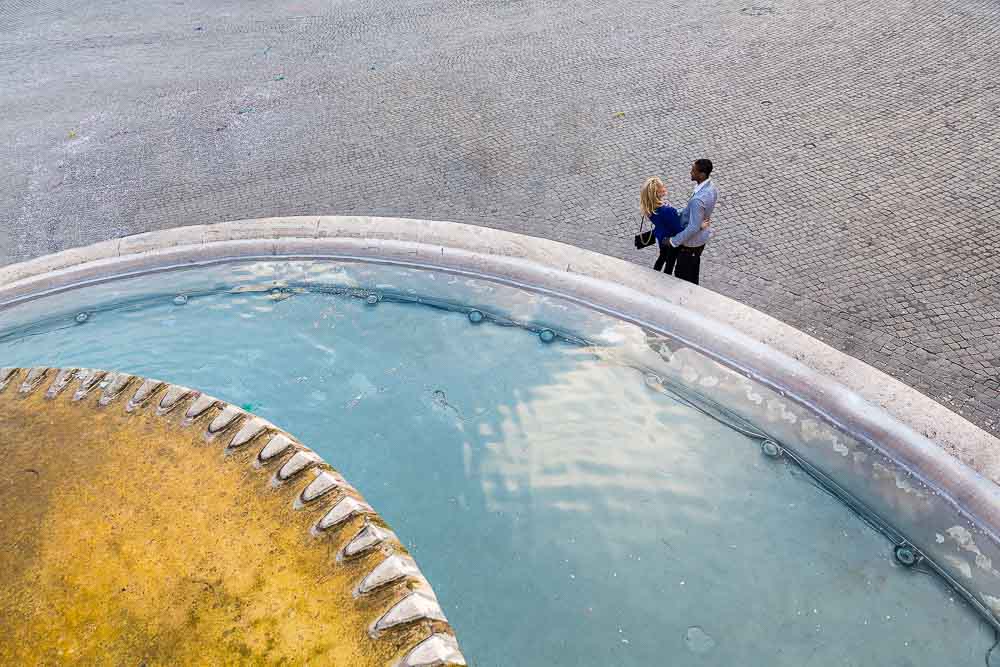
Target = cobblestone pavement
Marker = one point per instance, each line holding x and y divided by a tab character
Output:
856	143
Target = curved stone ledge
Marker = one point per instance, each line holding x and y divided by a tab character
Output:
611	284
895	420
147	522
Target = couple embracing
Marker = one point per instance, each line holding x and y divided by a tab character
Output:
681	236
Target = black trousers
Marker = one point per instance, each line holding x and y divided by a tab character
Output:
668	256
689	263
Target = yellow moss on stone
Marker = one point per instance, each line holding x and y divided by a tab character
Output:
127	539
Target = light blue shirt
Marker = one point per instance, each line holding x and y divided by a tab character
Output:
699	207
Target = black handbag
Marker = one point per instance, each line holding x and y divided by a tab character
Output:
644	239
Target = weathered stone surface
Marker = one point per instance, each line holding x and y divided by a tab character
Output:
435	651
6	375
325	482
415	606
299	462
33	379
89	379
225	418
278	443
200	405
116	384
250	430
61	381
393	568
172	396
105	567
367	538
346	508
142	394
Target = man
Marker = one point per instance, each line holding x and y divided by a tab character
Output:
691	241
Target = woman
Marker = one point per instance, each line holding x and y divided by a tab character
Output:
666	222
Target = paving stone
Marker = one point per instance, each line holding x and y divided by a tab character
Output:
856	146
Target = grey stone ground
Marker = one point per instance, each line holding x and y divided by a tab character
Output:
856	143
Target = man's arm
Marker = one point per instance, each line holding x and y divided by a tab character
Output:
695	218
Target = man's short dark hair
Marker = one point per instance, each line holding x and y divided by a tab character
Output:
704	165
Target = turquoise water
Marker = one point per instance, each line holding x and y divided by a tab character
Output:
565	513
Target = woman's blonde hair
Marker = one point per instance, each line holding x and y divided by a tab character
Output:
649	199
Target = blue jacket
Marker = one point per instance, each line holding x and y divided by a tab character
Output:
666	222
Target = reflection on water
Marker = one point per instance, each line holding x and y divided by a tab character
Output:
566	513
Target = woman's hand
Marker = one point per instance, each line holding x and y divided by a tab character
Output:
706	223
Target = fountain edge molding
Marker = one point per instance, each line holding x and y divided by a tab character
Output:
854	397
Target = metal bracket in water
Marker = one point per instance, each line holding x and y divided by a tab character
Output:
771	449
907	555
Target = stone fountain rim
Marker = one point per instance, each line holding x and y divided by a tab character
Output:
852	395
